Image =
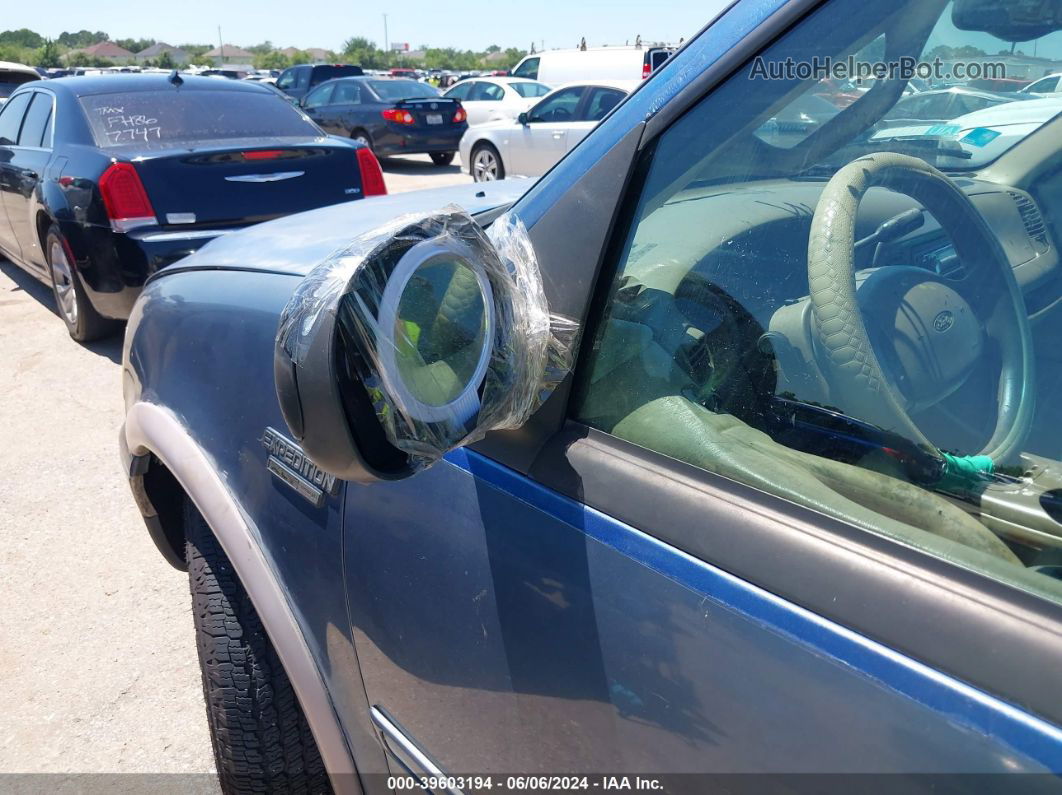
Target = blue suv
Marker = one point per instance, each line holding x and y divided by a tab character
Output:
726	448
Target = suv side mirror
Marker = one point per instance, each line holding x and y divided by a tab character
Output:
418	338
522	118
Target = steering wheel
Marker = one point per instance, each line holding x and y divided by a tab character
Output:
930	330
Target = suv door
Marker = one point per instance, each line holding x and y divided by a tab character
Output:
643	579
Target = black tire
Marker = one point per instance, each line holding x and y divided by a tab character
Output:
72	303
485	148
262	742
359	134
442	158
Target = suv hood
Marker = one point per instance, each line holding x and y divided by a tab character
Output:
297	243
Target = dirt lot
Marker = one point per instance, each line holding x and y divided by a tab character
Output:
96	645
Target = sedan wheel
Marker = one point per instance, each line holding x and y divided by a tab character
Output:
81	318
486	165
63	279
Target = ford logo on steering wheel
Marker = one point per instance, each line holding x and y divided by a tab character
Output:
944	321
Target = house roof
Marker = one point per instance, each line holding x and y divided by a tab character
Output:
107	49
316	53
231	51
157	49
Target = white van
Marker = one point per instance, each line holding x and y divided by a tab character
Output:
555	67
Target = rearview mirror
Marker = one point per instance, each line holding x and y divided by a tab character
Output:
1010	20
420	337
522	118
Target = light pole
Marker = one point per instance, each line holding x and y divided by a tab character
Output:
387	44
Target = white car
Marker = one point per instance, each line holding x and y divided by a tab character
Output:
487	99
1046	86
12	75
538	138
594	63
985	134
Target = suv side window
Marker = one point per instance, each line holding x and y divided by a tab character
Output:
769	323
559	107
11	117
286	80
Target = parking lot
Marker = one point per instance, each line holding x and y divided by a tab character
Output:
96	640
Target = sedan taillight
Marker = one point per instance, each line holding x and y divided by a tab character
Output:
125	199
460	116
397	115
372	180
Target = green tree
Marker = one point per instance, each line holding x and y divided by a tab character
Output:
49	55
83	38
165	61
135	45
79	59
271	60
23	37
16	53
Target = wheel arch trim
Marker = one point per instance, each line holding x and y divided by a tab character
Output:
150	428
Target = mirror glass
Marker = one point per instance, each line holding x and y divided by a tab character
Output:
439	331
1010	20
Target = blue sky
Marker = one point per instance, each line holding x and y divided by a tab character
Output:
327	23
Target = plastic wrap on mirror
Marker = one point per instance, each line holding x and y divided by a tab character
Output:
448	326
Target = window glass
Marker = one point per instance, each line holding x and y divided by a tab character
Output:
527	68
460	91
559	107
1045	86
319	96
327	72
160	119
347	92
849	321
11	118
530	90
395	90
286	80
489	92
10	80
602	100
37	119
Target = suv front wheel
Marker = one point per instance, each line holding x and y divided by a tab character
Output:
262	742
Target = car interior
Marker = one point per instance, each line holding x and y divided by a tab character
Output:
861	319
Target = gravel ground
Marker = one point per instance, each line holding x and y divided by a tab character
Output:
96	642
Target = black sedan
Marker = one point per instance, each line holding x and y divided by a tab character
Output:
391	116
104	180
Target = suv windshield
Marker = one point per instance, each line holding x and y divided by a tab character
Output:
394	90
859	98
173	118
